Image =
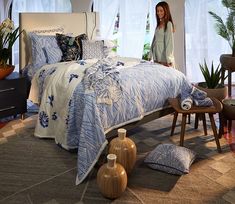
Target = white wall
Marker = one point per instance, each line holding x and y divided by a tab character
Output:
177	11
81	5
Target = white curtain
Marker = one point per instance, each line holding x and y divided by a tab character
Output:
202	41
108	10
2	11
152	18
35	6
132	27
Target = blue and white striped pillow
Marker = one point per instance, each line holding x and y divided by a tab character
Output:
171	159
53	54
44	49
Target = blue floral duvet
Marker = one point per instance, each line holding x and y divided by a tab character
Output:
82	101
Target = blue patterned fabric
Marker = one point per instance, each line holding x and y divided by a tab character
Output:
103	78
171	159
92	49
198	94
192	95
41	45
142	89
53	54
186	101
45	50
206	102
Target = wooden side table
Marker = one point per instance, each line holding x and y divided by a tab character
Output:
217	108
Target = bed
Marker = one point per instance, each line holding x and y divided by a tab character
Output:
83	102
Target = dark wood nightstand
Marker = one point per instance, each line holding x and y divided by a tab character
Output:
13	96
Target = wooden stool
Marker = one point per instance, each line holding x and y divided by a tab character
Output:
217	108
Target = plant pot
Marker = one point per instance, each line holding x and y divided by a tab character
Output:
125	149
228	63
229	109
6	70
112	178
220	93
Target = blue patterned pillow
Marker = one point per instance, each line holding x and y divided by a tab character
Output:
40	46
53	54
92	49
171	159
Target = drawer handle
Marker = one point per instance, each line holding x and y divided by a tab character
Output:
4	90
8	108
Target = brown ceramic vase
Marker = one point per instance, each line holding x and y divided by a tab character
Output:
125	149
112	178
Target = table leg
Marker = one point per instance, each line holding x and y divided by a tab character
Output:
229	83
196	121
183	124
221	124
189	118
174	123
229	125
215	132
204	123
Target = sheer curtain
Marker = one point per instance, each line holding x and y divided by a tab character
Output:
202	41
108	10
35	6
2	11
132	30
152	18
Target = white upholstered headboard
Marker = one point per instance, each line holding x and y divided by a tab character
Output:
73	23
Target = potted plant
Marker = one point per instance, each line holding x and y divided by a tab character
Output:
213	78
227	31
8	36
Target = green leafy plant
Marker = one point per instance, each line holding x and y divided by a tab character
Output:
8	36
212	76
226	29
146	51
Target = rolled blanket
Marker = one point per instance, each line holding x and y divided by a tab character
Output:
186	101
198	94
203	103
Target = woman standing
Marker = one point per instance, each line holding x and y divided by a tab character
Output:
162	48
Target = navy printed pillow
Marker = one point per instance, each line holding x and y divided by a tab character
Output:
70	46
171	159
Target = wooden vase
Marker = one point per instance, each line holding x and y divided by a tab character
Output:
125	149
6	70
112	178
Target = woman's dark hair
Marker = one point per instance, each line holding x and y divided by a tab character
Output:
167	12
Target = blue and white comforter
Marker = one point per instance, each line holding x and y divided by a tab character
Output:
81	102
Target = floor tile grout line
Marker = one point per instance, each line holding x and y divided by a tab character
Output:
36	184
84	191
86	186
135	195
30	201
